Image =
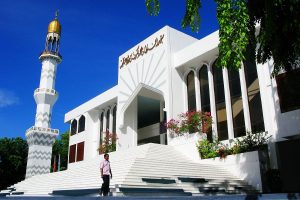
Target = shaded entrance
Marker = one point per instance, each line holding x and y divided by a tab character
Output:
288	162
141	119
150	121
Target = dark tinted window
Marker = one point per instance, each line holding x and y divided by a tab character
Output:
191	94
288	87
220	103
74	127
81	126
236	103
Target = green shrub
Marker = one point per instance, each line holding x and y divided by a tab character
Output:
207	149
250	142
235	149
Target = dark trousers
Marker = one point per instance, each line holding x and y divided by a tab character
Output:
105	185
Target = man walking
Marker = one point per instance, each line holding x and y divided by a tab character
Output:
105	175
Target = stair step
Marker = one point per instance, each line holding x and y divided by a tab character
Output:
159	180
143	191
139	171
76	192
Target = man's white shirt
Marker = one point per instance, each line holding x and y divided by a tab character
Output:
105	166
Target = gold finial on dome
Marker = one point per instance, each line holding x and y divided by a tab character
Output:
54	26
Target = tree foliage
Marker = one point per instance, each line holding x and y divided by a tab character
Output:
13	153
153	7
233	20
191	17
278	36
61	147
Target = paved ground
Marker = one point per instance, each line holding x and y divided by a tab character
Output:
221	197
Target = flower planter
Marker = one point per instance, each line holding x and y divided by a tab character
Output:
250	166
186	144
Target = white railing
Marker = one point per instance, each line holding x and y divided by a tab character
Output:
46	130
149	131
47	90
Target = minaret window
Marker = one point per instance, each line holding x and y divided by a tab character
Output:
81	126
191	94
74	127
220	103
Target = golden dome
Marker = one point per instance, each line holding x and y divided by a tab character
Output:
54	27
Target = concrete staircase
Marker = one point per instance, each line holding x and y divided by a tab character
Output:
149	169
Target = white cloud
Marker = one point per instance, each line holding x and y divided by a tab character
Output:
7	98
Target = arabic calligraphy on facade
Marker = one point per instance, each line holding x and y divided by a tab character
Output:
140	51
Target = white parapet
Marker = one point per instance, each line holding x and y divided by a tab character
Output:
244	165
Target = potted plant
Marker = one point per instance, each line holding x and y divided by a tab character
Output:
109	143
250	142
190	122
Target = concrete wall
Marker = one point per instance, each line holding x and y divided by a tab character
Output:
244	165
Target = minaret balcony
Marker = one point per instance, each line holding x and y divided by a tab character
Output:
45	95
35	129
50	54
46	90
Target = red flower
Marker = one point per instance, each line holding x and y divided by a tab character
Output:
190	121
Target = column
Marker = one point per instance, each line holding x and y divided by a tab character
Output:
228	104
212	101
245	98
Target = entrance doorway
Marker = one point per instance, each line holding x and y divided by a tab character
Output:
288	162
150	121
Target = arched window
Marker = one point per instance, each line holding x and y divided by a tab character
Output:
236	103
81	126
220	103
204	93
191	93
114	121
74	127
204	88
101	128
107	119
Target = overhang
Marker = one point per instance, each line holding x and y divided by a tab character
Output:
99	102
198	52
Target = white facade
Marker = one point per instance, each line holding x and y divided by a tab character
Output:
153	87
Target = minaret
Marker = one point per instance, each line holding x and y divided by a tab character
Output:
41	137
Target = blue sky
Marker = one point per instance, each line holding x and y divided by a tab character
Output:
94	34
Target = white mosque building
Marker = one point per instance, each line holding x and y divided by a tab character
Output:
169	73
162	76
